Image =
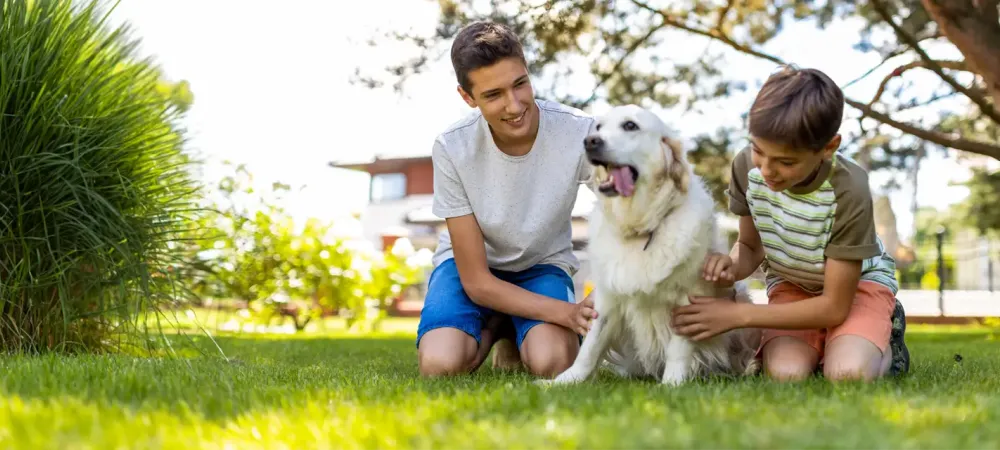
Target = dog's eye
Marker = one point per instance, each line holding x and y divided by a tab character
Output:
598	127
630	126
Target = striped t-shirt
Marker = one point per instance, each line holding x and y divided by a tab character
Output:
800	227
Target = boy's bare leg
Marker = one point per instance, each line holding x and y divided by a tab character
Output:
789	359
450	351
549	349
445	352
851	357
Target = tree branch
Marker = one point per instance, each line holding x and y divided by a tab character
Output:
954	65
723	14
977	147
988	9
984	105
714	34
886	59
628	52
930	100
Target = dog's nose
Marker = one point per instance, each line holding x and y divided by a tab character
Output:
593	143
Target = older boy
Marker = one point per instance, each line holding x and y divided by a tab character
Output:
505	180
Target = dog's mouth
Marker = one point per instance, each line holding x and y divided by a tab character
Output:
620	180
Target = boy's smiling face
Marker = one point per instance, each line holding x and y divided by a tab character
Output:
503	93
783	167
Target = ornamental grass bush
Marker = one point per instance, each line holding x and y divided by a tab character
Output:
94	186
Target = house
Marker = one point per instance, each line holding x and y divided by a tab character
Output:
401	194
398	187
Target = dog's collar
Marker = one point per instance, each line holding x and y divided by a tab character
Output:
650	239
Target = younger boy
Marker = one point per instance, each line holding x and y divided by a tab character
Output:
505	180
806	214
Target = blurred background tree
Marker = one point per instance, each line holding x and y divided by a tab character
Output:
624	46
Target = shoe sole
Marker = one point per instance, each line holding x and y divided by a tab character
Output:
900	336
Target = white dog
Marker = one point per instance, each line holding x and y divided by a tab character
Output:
650	231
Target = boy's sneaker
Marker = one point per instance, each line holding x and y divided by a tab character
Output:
900	354
506	356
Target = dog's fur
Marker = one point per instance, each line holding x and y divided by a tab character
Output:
647	252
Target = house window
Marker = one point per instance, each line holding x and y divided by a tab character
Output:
388	186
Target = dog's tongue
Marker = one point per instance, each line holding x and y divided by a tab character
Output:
623	181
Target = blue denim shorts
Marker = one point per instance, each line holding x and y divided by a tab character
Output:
446	304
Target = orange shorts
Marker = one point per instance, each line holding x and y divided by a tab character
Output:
870	316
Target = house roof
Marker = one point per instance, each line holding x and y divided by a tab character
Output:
379	163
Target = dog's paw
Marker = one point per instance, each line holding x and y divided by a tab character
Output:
675	374
570	376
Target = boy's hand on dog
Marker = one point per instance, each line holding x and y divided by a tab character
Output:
718	269
706	317
579	316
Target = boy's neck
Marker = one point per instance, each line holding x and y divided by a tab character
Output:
515	148
814	180
518	147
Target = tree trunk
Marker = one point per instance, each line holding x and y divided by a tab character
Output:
974	28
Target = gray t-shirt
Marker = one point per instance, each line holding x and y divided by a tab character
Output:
523	203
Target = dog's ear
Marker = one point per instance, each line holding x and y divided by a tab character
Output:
678	170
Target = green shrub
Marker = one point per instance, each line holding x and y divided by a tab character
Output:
251	250
93	183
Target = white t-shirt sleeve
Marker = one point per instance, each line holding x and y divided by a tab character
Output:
450	199
584	170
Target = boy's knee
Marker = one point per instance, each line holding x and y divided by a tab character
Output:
438	363
551	352
852	358
789	359
850	369
446	353
551	361
788	371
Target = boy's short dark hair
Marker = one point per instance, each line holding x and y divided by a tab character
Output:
482	44
801	108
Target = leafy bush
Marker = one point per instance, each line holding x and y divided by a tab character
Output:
251	250
93	182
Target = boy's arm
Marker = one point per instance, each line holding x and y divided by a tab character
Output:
706	317
748	251
469	249
487	290
852	239
828	309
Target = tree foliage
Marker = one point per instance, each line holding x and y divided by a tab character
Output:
980	208
626	49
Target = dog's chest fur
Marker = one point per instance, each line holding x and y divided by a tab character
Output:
641	286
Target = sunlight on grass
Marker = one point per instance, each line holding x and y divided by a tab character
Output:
341	390
914	414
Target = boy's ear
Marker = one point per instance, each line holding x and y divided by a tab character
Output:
467	97
831	147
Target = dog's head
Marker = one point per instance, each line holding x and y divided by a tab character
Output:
633	155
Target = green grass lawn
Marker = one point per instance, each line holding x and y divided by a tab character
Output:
335	390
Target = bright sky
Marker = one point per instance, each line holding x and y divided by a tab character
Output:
271	90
